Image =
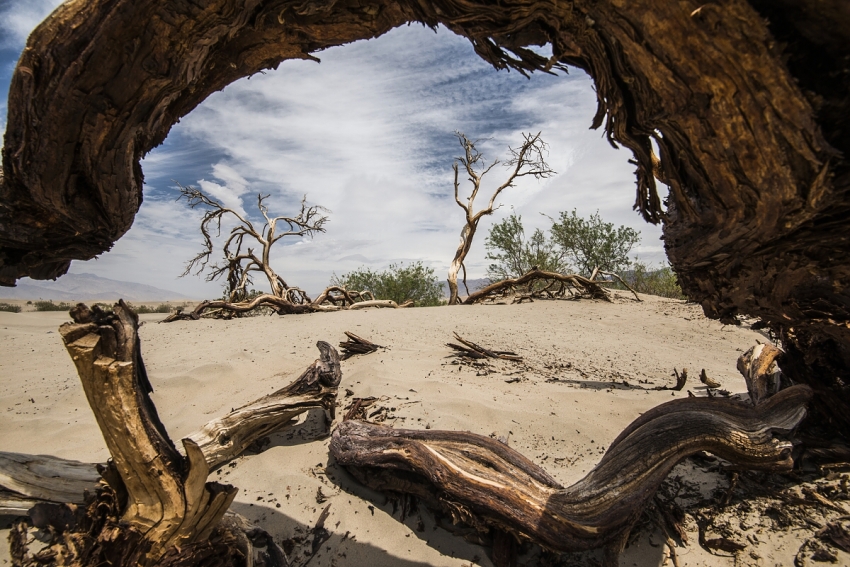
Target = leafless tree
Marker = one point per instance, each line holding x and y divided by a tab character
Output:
240	258
528	159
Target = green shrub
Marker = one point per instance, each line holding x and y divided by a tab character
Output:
161	308
48	305
398	282
10	308
514	255
653	281
590	243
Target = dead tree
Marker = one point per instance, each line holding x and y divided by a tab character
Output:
169	513
528	159
488	486
240	258
582	286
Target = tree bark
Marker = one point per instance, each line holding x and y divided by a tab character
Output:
747	103
485	484
169	501
26	480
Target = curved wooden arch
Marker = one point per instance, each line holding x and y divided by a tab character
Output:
747	102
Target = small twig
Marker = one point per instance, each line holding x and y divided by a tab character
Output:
357	345
473	350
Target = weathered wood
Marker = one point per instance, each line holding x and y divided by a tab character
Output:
473	350
753	137
225	438
760	371
28	479
489	486
169	501
356	345
584	285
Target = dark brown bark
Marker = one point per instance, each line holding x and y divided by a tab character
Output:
484	483
748	102
354	345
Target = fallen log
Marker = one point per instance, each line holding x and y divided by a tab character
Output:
489	486
26	480
584	286
225	438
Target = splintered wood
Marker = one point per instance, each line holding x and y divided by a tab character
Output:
469	349
356	345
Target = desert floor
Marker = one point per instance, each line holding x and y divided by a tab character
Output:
589	369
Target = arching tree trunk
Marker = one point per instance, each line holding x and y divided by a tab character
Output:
747	101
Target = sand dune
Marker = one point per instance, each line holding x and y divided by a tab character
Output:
589	369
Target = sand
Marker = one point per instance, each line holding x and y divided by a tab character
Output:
588	370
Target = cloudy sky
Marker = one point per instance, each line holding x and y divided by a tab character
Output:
368	134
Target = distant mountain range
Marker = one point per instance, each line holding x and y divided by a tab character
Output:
71	287
472	284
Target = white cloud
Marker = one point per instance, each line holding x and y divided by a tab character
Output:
368	133
18	18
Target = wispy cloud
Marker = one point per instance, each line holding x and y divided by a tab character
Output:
18	18
368	133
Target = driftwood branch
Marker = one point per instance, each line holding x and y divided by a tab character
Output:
26	480
584	286
225	438
617	276
472	350
489	486
356	345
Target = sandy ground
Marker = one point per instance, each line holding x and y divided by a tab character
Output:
589	370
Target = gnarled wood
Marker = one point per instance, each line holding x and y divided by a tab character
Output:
583	285
760	371
225	438
169	501
355	345
747	102
26	480
488	485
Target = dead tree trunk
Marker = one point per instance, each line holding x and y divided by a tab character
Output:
528	159
485	484
170	505
753	139
583	285
26	480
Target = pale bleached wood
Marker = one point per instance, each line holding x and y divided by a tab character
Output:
760	371
47	478
169	501
225	438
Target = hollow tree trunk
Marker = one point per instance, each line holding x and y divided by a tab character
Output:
485	484
747	102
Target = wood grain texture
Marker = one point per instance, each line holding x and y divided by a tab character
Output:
486	484
747	102
169	501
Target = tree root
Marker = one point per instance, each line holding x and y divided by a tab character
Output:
489	486
472	350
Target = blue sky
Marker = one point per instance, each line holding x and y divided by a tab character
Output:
367	133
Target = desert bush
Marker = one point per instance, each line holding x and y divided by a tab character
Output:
514	255
398	282
10	308
592	242
161	308
660	281
48	305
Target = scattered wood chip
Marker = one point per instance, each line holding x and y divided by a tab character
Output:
837	534
356	345
357	406
680	381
